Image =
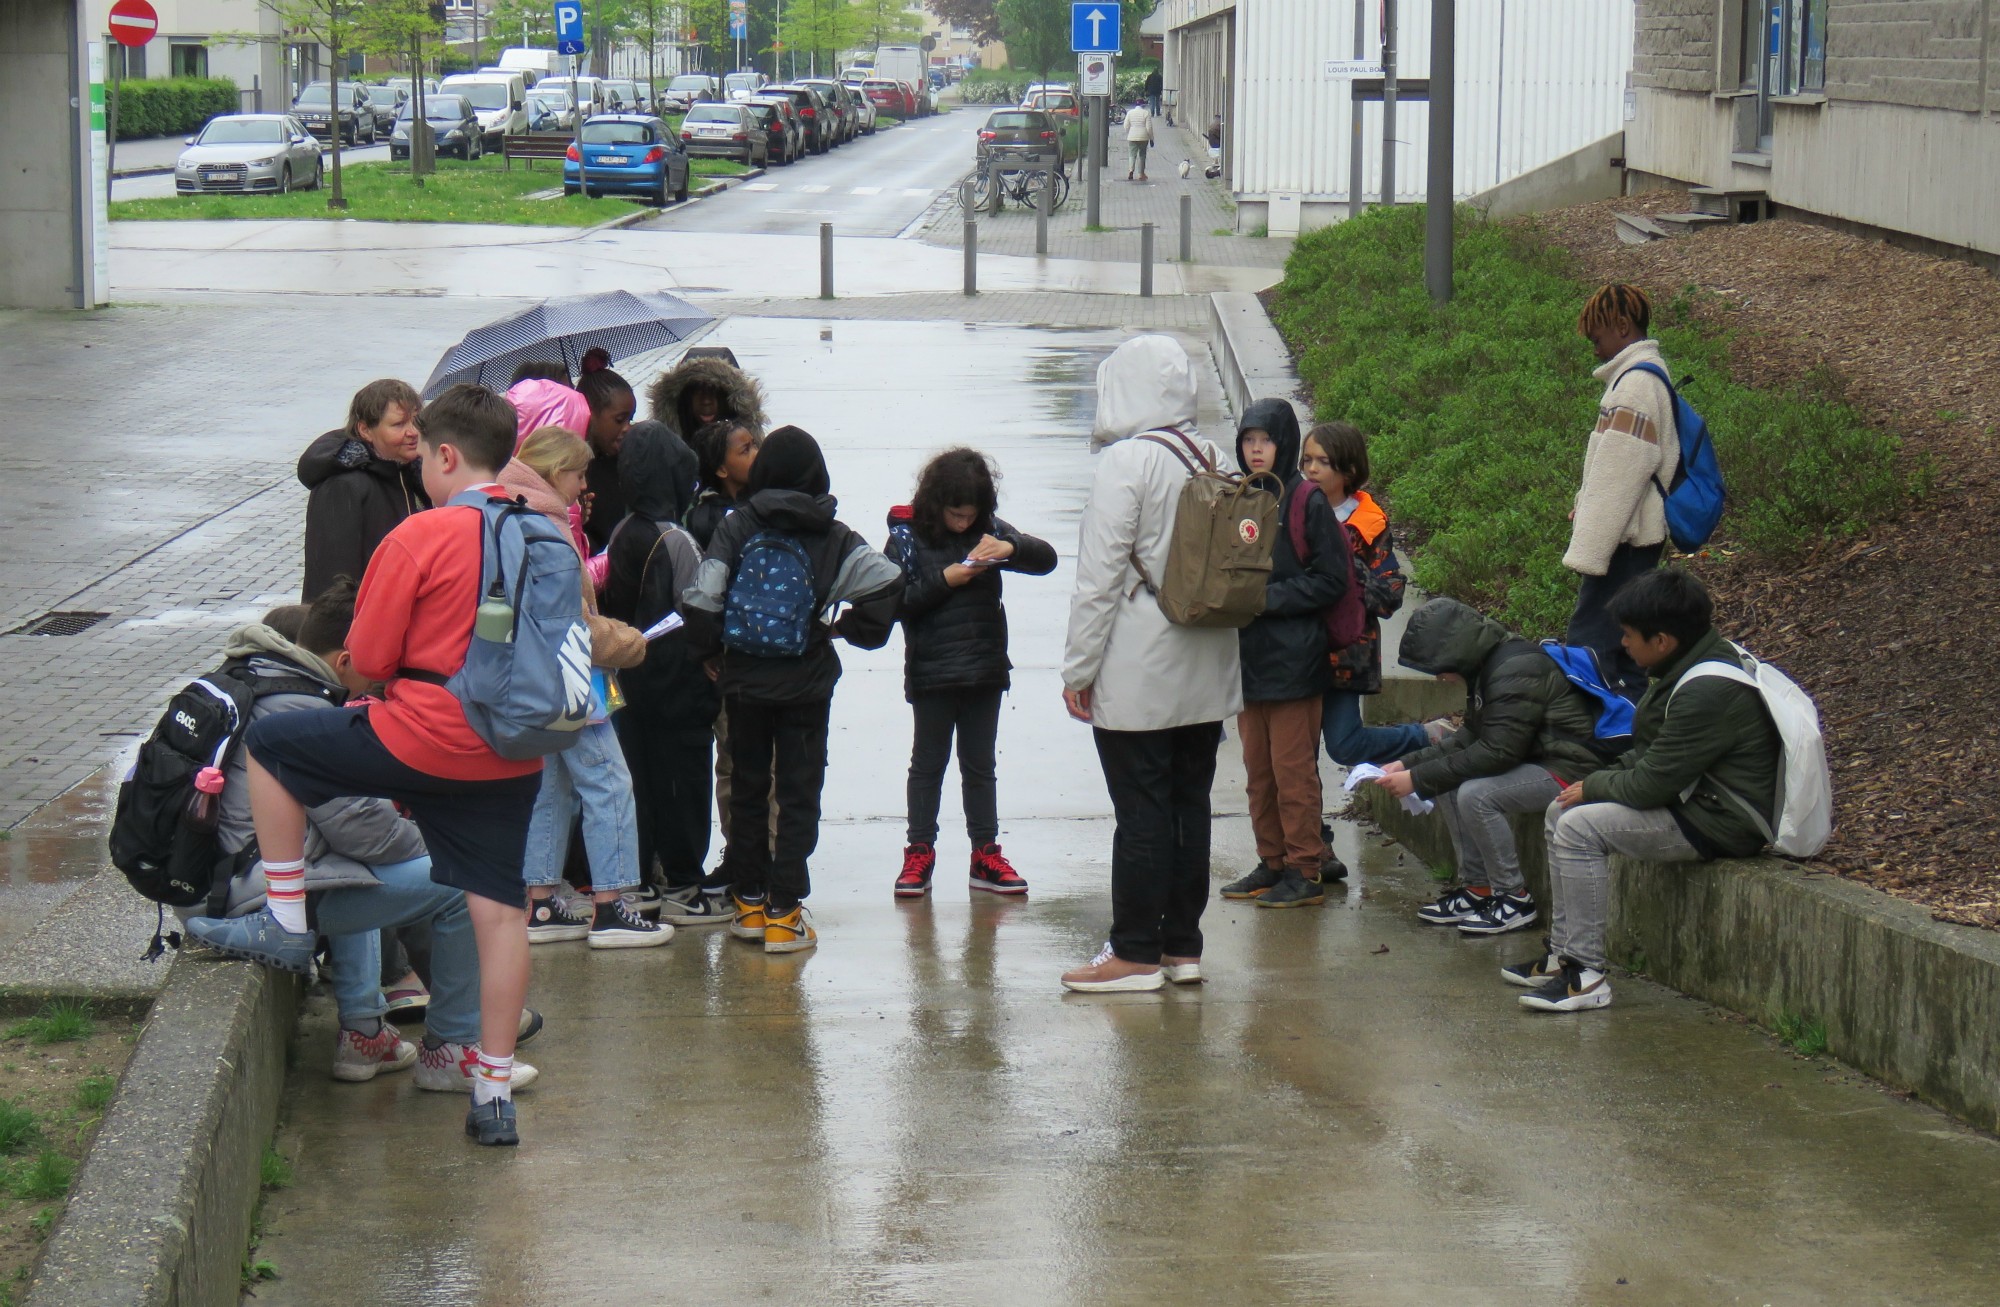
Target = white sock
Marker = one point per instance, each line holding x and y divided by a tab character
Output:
287	893
492	1077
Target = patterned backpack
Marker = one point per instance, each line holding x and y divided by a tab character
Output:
772	602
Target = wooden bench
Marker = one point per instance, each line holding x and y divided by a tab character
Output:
533	146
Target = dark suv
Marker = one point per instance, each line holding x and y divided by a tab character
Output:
822	126
1021	138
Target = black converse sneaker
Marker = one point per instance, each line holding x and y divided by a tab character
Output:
618	926
1452	907
1536	971
549	922
1500	913
1577	989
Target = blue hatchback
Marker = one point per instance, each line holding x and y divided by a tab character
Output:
627	154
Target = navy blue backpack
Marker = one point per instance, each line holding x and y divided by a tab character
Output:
772	603
1694	501
1613	732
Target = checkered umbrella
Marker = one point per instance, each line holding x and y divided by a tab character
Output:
562	330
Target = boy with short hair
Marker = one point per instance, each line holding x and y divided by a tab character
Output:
1703	748
412	627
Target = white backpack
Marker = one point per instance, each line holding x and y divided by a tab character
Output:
1805	791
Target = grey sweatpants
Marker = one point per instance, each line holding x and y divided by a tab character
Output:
1476	814
1581	842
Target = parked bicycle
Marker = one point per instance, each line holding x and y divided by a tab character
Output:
1021	185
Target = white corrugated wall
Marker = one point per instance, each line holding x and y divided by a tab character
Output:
1536	80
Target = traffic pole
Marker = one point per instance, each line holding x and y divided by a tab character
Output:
1388	102
1355	180
971	243
1438	191
826	260
1146	260
1092	173
1187	228
1043	199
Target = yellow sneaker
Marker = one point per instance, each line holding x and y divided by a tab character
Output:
790	933
749	923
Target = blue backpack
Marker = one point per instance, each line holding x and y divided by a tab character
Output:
772	603
1613	732
1694	501
525	685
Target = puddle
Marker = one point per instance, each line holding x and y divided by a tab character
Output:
52	852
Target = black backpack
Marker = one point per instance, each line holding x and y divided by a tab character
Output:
163	832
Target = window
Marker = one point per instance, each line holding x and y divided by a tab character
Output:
187	60
128	62
1781	46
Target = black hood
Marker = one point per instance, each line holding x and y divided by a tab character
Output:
657	471
794	511
1447	636
790	460
1281	421
341	451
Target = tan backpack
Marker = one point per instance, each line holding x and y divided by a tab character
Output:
1219	557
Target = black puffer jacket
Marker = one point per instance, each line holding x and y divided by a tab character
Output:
1518	706
742	397
357	498
706	514
652	560
955	637
1284	650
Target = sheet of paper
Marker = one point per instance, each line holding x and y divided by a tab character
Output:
1413	803
665	626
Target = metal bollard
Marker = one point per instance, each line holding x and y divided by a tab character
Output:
1042	202
1187	229
965	195
1146	260
971	257
826	260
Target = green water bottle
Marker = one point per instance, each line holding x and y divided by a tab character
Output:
494	621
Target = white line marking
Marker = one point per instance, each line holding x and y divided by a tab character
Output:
916	192
812	190
760	186
867	190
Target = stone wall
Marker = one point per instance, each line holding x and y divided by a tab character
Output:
1674	45
1922	53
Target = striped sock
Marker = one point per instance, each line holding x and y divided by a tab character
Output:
492	1077
287	893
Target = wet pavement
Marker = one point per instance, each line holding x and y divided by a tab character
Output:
1352	1110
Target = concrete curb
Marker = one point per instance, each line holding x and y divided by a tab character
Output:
1908	1000
161	1211
89	946
637	216
1251	355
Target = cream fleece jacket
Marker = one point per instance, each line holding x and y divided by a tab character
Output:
1634	443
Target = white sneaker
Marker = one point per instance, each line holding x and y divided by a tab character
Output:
693	907
645	900
358	1057
449	1069
1182	971
1577	989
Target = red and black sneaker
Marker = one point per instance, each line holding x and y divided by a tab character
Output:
919	860
993	873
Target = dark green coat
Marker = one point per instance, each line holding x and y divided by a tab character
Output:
1718	731
1518	706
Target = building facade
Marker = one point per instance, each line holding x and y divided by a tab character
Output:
203	38
1884	113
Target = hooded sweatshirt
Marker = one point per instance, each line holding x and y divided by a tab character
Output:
1284	649
345	837
652	560
538	403
741	397
1357	669
1518	705
788	493
357	498
1143	672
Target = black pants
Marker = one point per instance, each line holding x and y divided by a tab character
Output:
1159	783
671	787
974	715
790	740
1591	625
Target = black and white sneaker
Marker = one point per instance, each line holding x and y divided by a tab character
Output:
694	906
1577	989
1452	907
1500	913
643	899
550	922
617	926
1536	971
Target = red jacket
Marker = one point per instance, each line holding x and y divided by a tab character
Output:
415	610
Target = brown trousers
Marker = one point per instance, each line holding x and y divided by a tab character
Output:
1281	754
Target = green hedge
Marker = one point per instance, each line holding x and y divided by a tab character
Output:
1006	86
176	106
1478	412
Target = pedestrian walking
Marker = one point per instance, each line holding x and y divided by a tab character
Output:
952	548
1154	85
1155	694
1138	137
362	481
1619	518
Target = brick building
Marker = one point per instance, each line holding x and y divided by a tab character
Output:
1881	113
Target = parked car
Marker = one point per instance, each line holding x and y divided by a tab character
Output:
1037	88
1059	104
741	86
1020	138
430	84
691	88
779	122
840	101
622	95
533	64
387	101
454	124
249	152
549	110
627	154
498	99
725	131
905	64
864	108
887	97
587	92
314	108
819	124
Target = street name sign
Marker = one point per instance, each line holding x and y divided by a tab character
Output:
133	22
1346	70
1094	27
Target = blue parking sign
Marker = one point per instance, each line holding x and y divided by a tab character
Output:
1094	26
569	26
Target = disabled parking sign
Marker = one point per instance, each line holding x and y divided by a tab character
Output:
569	26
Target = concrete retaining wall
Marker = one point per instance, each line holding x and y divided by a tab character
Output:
1909	1000
161	1212
1251	355
1577	178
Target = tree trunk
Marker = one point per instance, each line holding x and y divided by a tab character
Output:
334	198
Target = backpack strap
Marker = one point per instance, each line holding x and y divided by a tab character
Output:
1722	670
1193	458
1673	403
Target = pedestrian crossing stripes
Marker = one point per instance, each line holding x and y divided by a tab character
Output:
813	190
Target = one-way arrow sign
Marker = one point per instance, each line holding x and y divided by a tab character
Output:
1094	27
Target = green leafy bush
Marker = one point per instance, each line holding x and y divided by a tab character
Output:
171	106
1478	412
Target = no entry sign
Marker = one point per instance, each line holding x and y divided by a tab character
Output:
133	22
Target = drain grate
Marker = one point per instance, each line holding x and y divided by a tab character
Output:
60	624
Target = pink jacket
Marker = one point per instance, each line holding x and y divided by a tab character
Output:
539	404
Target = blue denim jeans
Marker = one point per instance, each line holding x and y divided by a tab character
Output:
406	896
1349	743
590	773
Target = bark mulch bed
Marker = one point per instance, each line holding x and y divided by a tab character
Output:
1894	633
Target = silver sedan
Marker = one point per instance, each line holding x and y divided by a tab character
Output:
249	152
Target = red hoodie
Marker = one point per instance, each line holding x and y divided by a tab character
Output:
415	610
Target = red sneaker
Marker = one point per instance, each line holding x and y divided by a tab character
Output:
919	860
993	873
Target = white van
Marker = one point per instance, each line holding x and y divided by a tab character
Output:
496	100
536	63
906	63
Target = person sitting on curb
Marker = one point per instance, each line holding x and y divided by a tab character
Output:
366	871
1154	694
1701	746
1527	734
